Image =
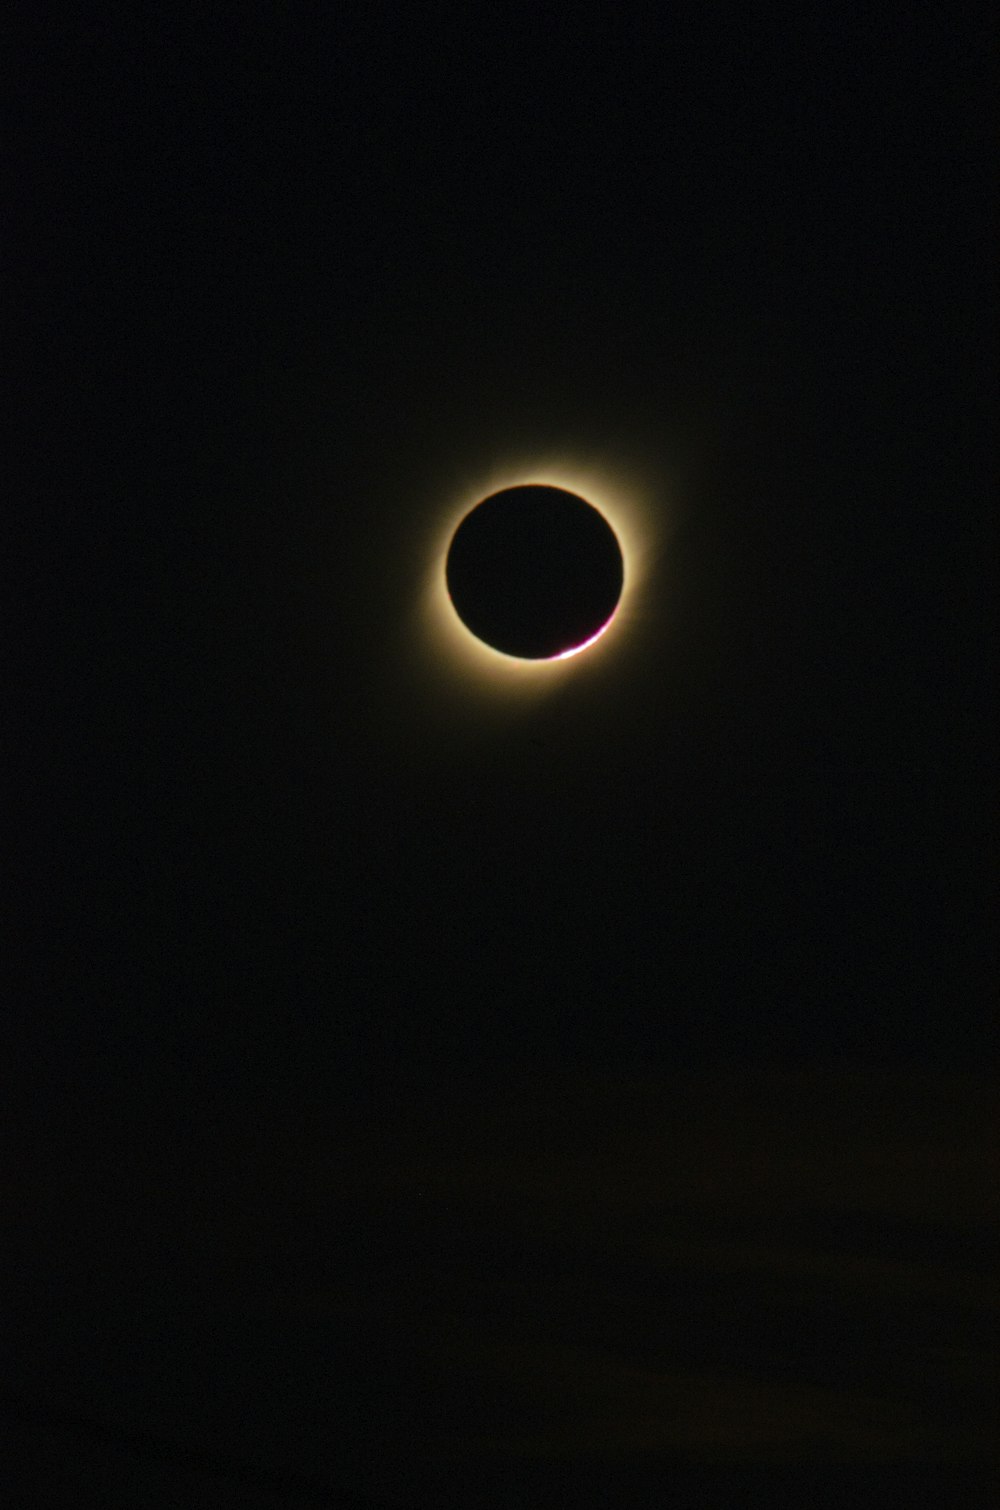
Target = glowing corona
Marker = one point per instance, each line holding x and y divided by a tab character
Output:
454	649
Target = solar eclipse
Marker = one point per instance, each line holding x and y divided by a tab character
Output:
632	496
535	572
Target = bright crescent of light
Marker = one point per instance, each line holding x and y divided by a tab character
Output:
455	649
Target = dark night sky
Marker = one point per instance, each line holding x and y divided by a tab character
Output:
273	297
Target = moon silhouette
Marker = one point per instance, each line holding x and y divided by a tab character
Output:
535	572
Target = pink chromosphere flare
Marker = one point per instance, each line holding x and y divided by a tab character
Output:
585	644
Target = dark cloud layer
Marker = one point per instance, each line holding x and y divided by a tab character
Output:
643	1274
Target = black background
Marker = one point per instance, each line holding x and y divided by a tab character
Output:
272	291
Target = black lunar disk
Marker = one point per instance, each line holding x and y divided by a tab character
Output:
535	572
